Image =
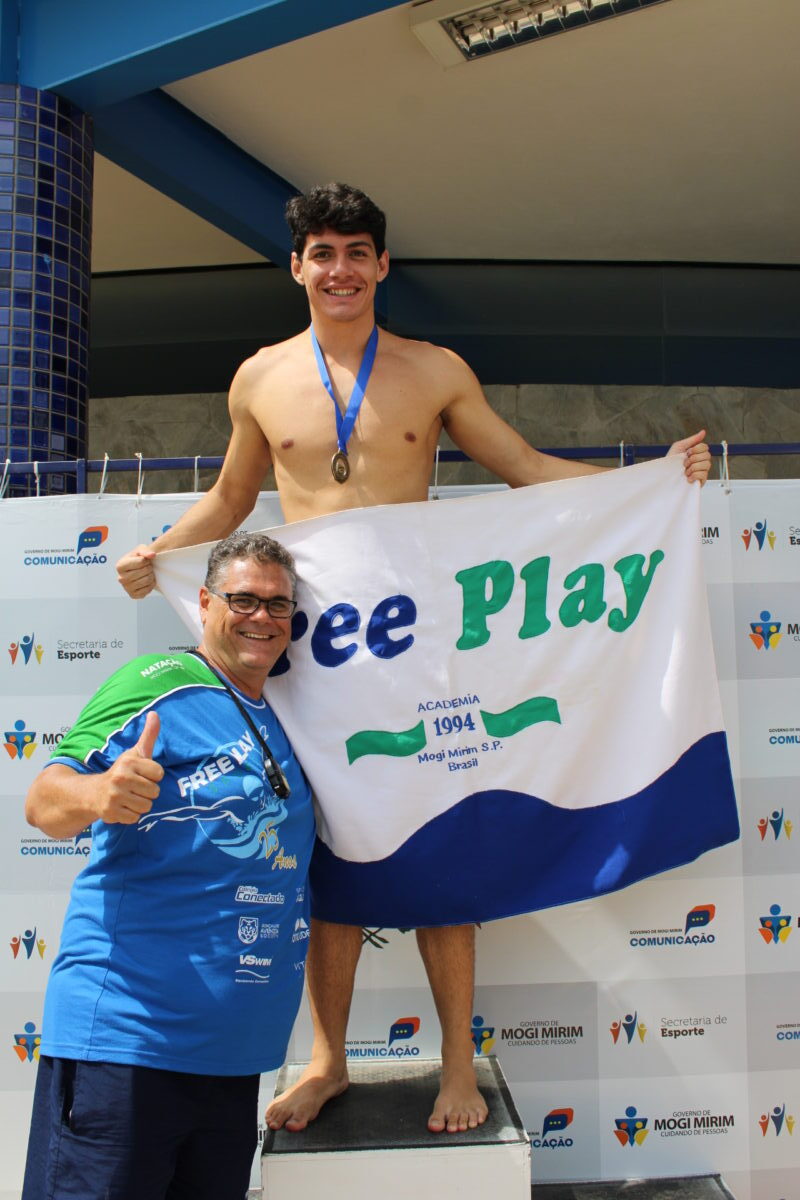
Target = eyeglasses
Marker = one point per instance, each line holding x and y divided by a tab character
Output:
247	605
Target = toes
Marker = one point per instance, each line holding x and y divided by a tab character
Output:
295	1124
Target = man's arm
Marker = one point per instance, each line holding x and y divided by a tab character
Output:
227	503
477	430
61	801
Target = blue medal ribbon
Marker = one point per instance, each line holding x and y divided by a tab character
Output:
345	423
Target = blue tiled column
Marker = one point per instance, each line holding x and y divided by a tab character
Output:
46	164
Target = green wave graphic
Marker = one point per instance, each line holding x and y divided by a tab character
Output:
529	712
381	741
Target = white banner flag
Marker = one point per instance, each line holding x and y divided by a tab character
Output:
503	702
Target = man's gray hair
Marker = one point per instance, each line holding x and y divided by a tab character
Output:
257	546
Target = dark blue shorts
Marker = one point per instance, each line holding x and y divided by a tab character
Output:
101	1131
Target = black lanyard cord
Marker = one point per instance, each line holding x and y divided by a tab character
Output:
272	768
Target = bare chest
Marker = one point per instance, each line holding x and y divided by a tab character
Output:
389	450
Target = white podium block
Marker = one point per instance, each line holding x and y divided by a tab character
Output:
372	1142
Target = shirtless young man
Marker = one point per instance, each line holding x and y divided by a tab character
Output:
283	415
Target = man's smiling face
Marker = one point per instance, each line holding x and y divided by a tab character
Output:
245	648
340	272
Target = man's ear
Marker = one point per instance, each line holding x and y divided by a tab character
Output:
297	269
205	597
383	266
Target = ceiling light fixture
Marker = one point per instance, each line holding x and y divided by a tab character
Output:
454	35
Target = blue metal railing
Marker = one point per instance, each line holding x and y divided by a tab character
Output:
629	453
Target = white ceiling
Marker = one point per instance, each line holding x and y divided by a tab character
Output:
669	134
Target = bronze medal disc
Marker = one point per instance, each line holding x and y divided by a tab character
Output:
340	467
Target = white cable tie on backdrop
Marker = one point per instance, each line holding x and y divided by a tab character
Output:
724	469
103	477
435	495
36	476
4	480
139	480
622	454
196	473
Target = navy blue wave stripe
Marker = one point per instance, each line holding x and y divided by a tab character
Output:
501	853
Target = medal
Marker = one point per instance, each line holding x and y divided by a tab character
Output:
340	464
340	467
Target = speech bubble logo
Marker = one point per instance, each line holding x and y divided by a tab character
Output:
699	916
93	536
402	1030
558	1119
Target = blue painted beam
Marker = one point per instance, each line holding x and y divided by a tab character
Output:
99	52
9	37
157	139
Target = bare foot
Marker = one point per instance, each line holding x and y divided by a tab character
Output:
301	1103
459	1105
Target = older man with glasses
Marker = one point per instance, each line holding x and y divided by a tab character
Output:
183	949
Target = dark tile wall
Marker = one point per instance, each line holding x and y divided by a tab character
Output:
46	164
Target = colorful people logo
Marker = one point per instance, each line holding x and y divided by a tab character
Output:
765	633
482	1036
29	940
26	1045
780	1120
20	742
760	535
631	1130
778	822
25	648
629	1025
776	927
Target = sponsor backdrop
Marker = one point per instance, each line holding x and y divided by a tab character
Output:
651	1032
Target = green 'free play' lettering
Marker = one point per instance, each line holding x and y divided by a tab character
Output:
488	587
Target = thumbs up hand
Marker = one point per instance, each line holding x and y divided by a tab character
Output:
146	743
131	785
